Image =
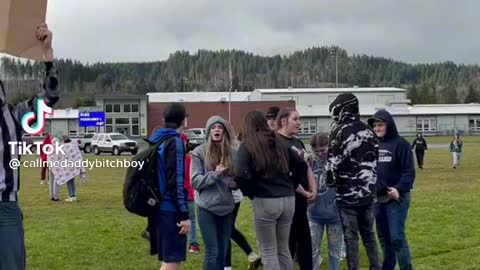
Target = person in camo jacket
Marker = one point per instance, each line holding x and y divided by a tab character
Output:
352	169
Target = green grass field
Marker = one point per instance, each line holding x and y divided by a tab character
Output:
97	233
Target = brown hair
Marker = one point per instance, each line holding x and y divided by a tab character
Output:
221	152
319	140
283	114
267	151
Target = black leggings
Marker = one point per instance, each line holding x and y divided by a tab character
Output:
300	239
420	154
238	237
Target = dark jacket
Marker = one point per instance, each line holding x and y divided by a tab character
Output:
171	172
395	163
419	144
252	184
352	155
12	131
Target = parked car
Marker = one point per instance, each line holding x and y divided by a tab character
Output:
195	138
199	132
115	143
85	142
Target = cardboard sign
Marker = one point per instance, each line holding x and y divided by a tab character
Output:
18	26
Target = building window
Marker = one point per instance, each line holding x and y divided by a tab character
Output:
127	108
108	108
474	124
426	124
134	121
109	121
72	127
109	128
116	108
135	130
122	121
308	127
134	107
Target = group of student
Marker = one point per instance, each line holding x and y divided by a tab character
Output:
357	176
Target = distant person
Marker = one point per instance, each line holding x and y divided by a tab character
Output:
212	178
168	229
456	148
351	168
269	172
323	214
43	157
12	239
53	187
395	178
72	159
419	145
288	124
272	113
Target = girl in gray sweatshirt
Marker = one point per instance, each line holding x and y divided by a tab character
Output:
212	178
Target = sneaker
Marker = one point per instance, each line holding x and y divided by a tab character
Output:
55	200
255	264
194	248
42	182
69	199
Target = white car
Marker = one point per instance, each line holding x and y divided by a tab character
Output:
114	143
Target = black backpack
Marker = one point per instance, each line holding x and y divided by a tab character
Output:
141	193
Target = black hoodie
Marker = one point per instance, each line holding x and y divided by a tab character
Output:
395	164
352	155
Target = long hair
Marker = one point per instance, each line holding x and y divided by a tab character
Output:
221	152
268	152
283	114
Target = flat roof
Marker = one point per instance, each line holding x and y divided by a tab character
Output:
196	96
421	109
330	90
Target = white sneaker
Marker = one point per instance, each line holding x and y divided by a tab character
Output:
70	199
42	182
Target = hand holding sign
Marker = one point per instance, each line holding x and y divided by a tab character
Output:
45	36
22	29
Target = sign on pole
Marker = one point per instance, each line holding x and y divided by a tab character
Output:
91	119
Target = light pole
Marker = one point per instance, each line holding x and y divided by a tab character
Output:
334	53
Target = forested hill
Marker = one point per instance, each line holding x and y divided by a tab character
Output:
209	71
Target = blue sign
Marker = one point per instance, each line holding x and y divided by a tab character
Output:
91	119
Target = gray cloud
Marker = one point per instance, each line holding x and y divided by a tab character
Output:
149	30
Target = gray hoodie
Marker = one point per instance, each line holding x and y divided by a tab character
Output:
211	189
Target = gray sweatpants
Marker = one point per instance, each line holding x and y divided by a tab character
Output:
273	219
52	186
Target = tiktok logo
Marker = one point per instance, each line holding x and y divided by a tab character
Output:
39	115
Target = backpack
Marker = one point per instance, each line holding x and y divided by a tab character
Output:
141	193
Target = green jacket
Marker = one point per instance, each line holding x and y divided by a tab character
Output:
456	148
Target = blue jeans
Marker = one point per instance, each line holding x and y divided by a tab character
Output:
391	219
12	239
71	187
335	242
192	237
216	232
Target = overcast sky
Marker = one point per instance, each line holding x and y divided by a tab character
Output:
149	30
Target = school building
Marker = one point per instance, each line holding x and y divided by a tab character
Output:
138	116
